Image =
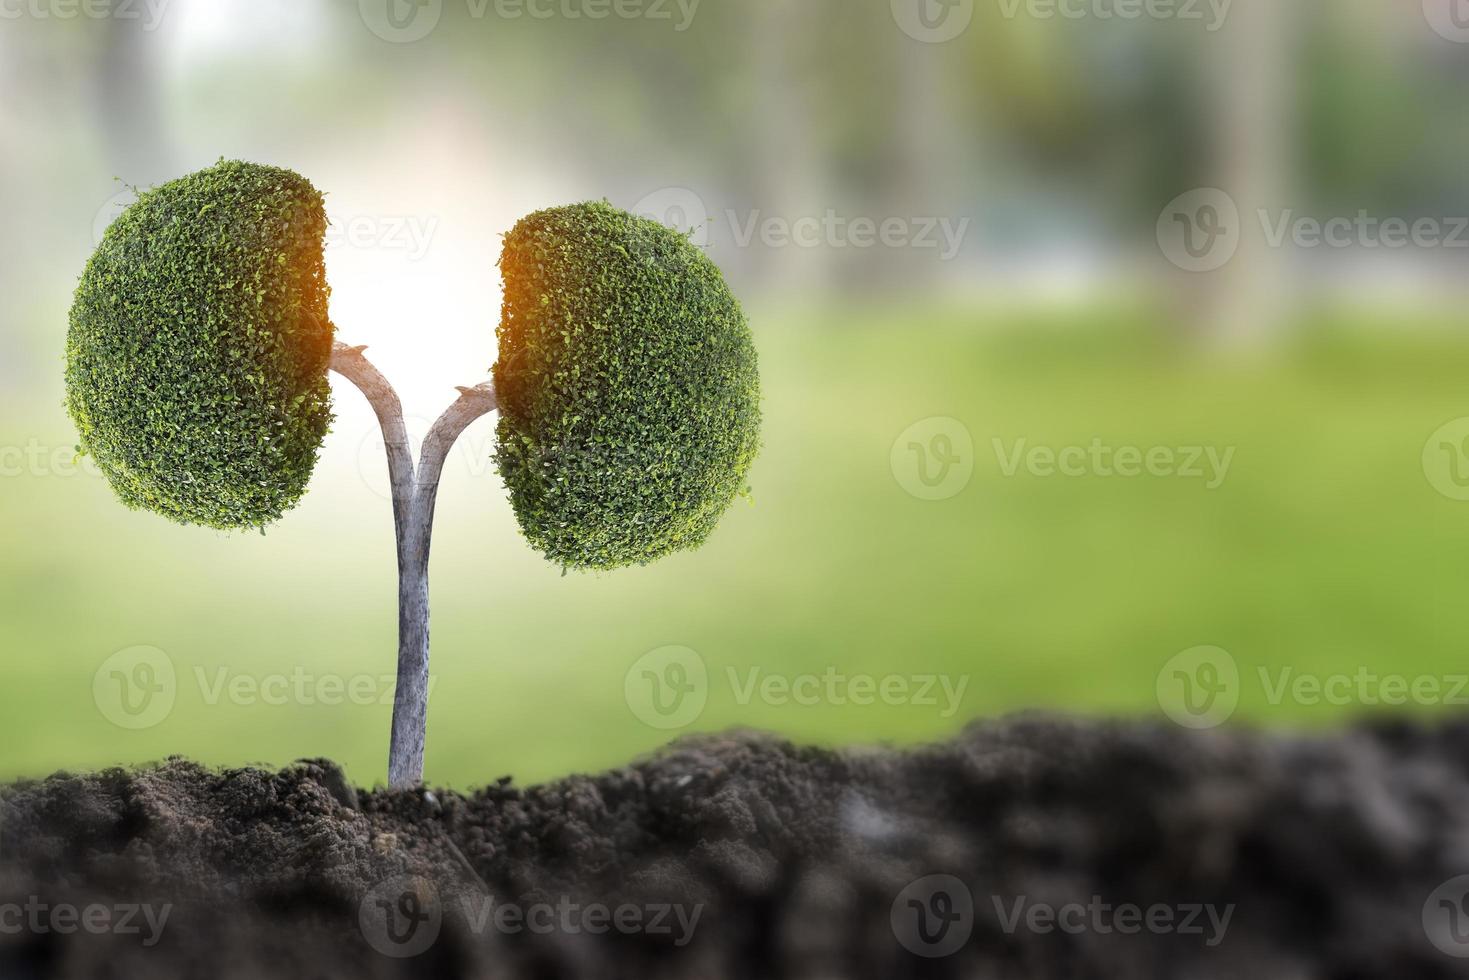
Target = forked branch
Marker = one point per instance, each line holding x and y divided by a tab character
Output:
415	492
352	364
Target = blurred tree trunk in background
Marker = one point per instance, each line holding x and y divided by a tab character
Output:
925	154
784	181
128	98
1254	143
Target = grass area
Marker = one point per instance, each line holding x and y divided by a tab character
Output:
1325	551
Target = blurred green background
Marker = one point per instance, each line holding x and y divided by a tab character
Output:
1335	542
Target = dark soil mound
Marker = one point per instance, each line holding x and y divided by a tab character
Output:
1032	848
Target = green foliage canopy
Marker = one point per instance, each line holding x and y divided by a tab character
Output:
197	356
628	387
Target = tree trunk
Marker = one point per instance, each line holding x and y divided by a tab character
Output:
415	494
1247	303
410	697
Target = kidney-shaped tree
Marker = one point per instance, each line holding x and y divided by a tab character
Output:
196	373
